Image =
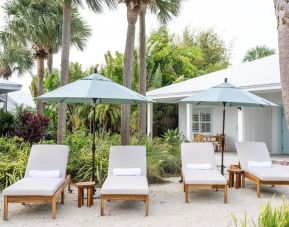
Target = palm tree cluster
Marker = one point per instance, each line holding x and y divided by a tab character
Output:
165	10
38	29
37	25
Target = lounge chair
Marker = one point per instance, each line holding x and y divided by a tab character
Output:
133	186
197	155
257	152
44	181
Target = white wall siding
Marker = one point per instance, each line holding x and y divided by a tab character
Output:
258	125
182	118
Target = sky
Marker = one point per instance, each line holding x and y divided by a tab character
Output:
240	23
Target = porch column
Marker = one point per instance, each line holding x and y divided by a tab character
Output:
150	119
240	125
189	122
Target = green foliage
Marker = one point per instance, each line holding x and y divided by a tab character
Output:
38	25
268	216
258	52
174	137
163	156
165	118
14	154
7	123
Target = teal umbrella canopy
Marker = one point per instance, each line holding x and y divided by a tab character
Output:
229	94
7	86
94	89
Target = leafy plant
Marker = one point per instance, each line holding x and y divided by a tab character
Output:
14	154
7	123
32	127
268	216
174	137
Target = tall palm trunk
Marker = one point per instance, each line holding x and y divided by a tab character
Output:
132	15
143	70
40	76
49	61
64	73
282	14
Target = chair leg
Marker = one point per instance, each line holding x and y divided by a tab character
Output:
186	193
53	207
91	196
62	197
101	206
225	194
5	209
147	206
258	189
243	181
79	202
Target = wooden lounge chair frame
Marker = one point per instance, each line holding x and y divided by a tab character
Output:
187	187
266	157
260	182
37	199
109	197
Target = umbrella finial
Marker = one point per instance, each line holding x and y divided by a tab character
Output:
226	80
95	69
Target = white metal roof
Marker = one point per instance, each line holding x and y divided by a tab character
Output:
259	75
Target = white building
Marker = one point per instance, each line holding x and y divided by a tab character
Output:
261	77
18	98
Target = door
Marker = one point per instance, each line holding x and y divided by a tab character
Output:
284	134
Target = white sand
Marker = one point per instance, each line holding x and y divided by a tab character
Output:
167	207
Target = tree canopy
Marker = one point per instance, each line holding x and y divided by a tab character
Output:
258	52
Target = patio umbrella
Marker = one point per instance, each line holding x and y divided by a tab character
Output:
94	89
226	94
7	86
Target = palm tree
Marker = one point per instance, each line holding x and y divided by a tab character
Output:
165	10
133	10
108	115
13	58
282	16
258	52
37	24
96	6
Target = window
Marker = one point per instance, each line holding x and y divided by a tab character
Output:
201	122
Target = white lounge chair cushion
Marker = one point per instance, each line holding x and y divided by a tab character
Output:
199	166
265	164
125	185
269	174
204	177
127	157
256	151
198	153
48	157
44	174
34	187
127	171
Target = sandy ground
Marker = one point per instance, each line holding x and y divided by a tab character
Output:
167	207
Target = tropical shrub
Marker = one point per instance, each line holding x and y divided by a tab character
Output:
31	127
7	123
14	154
268	216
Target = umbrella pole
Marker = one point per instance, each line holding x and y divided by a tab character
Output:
93	148
223	139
